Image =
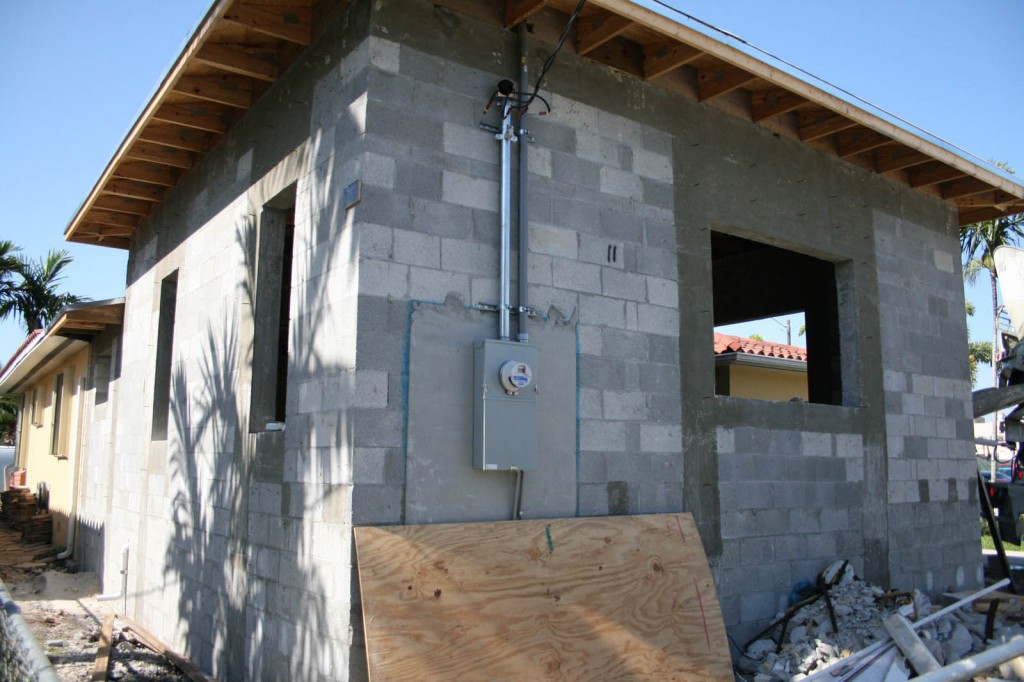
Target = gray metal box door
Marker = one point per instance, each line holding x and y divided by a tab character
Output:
504	425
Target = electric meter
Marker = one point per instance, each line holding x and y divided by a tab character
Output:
515	376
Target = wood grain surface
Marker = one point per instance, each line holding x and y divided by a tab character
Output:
597	598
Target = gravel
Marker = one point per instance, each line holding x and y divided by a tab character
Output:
62	611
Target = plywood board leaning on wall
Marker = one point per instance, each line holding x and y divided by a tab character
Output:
597	598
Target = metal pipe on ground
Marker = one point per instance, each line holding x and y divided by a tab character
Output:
967	668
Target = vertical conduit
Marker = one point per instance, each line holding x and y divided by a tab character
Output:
524	221
506	137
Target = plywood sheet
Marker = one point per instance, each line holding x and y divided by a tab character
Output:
598	598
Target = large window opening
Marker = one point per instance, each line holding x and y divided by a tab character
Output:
758	286
164	356
276	241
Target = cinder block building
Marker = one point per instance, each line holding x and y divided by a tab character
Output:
318	214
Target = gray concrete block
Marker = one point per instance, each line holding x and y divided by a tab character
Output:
464	190
437	285
601	436
553	241
458	255
625	285
623	344
414	248
583	277
654	319
377	504
598	310
625	405
657	378
602	373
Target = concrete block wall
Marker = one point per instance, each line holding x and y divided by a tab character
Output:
240	538
96	485
602	253
932	493
791	505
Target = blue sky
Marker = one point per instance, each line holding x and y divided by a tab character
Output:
78	73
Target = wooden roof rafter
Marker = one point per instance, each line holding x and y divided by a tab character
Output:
239	49
242	46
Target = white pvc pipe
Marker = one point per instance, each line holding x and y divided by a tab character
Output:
967	668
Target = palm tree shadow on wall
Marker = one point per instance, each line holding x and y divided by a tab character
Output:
250	604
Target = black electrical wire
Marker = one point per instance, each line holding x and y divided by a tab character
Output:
551	59
807	73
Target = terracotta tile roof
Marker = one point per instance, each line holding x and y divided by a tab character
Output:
24	344
726	343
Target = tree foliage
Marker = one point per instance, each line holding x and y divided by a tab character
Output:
978	242
36	298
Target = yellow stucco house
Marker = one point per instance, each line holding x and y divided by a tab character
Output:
63	375
750	368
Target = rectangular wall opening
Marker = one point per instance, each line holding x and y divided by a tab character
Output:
275	247
754	281
164	356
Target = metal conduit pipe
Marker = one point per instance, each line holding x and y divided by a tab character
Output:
506	137
524	220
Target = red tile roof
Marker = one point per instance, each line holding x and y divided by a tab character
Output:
725	343
24	344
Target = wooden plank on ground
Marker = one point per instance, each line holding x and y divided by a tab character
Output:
178	661
598	598
99	671
910	644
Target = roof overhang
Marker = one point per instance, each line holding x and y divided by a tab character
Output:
242	47
762	361
66	337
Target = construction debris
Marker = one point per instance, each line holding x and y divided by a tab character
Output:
808	642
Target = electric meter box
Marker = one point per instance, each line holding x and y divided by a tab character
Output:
504	405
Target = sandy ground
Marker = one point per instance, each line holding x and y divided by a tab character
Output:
63	613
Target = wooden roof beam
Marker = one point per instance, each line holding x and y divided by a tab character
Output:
964	187
660	58
518	11
113	219
597	30
231	91
765	104
152	173
180	138
98	230
859	140
155	153
815	125
977	215
291	23
120	204
134	190
254	62
932	174
200	115
895	158
715	81
1004	201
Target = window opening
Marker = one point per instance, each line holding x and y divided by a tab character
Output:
758	289
164	349
275	253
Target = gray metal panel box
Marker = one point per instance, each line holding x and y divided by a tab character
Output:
504	423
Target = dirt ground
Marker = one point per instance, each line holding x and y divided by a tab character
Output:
63	613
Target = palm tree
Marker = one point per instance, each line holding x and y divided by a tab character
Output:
978	241
36	298
8	268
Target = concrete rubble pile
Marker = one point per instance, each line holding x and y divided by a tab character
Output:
810	644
